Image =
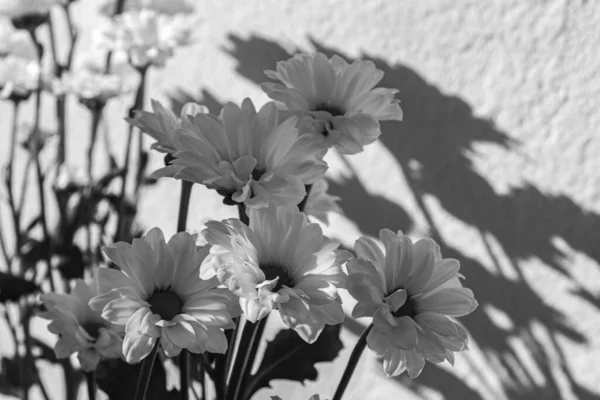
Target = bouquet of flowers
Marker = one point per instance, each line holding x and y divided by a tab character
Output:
132	304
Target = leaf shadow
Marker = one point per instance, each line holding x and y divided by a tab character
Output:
433	146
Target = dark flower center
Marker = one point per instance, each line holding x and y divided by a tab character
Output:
407	309
93	328
257	173
330	108
165	303
272	271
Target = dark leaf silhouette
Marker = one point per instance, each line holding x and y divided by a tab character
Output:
119	379
16	376
32	251
289	357
71	263
12	288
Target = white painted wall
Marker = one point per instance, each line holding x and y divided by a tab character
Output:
498	158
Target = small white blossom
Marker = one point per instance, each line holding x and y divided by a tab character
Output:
146	37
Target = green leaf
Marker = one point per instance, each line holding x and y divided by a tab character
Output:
289	357
12	288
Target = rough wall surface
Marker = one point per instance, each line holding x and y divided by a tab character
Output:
497	159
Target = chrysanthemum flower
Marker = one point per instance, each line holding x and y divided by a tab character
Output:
19	68
158	295
412	293
163	125
145	36
320	203
168	7
339	98
313	397
91	85
280	261
19	77
248	157
80	329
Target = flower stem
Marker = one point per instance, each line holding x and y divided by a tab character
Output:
184	205
352	362
249	346
96	118
184	374
38	167
90	378
15	211
60	99
138	104
146	373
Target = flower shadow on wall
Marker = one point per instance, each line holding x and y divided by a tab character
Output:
437	133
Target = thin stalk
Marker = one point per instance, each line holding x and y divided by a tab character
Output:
7	259
223	361
96	118
184	374
202	382
90	378
252	352
184	205
38	167
60	99
40	184
352	362
15	211
250	340
139	103
72	32
24	183
118	10
184	357
146	373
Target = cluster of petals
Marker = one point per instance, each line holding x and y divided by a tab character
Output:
338	100
413	294
163	125
247	156
145	36
19	68
80	329
167	7
90	84
282	262
158	294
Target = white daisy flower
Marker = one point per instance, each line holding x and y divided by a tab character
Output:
91	85
338	98
145	36
279	262
413	294
80	329
19	68
247	156
157	294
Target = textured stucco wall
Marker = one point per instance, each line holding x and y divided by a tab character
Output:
497	159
